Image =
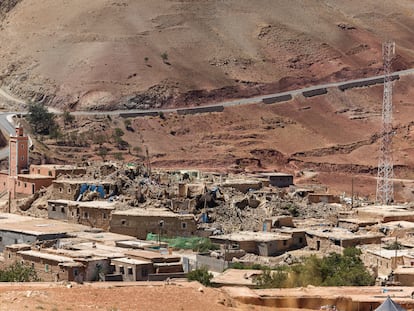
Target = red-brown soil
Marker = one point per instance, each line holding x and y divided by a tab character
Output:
106	54
121	297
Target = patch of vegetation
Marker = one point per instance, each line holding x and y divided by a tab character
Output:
271	279
128	125
394	246
255	266
332	270
18	272
103	152
164	57
68	118
118	156
41	120
205	245
201	275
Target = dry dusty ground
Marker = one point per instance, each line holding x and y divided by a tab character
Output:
107	297
90	54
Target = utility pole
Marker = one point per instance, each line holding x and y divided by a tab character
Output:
385	188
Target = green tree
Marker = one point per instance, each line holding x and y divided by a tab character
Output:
18	272
271	279
201	275
41	121
333	270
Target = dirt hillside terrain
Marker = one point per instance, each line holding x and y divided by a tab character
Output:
104	54
138	54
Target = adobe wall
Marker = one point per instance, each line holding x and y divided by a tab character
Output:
11	237
57	210
89	216
140	226
65	191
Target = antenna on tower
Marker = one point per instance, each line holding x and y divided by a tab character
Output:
385	187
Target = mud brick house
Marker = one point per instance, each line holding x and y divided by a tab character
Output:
53	170
322	238
385	213
404	275
132	269
91	213
19	179
50	267
277	222
280	180
16	229
383	260
138	222
78	189
260	243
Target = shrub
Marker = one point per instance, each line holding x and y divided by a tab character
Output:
41	121
68	118
18	272
201	275
164	57
332	270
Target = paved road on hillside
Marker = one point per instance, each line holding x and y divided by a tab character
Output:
9	128
246	101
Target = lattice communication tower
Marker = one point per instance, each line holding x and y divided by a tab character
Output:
385	187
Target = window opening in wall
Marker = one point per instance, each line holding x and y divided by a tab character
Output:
49	173
77	212
121	270
60	189
22	158
85	215
53	208
123	222
104	215
25	185
183	225
129	270
69	190
18	183
62	209
33	265
284	242
300	240
46	268
38	171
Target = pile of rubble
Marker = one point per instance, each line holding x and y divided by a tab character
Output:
223	208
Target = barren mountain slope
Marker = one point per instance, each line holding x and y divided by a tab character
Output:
131	54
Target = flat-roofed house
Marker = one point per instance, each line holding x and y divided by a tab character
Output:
260	243
138	222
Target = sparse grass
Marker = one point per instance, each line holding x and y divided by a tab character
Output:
40	308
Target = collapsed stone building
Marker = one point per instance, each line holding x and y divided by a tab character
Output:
251	217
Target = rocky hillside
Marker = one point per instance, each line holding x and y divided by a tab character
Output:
105	54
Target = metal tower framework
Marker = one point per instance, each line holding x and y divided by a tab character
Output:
385	187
